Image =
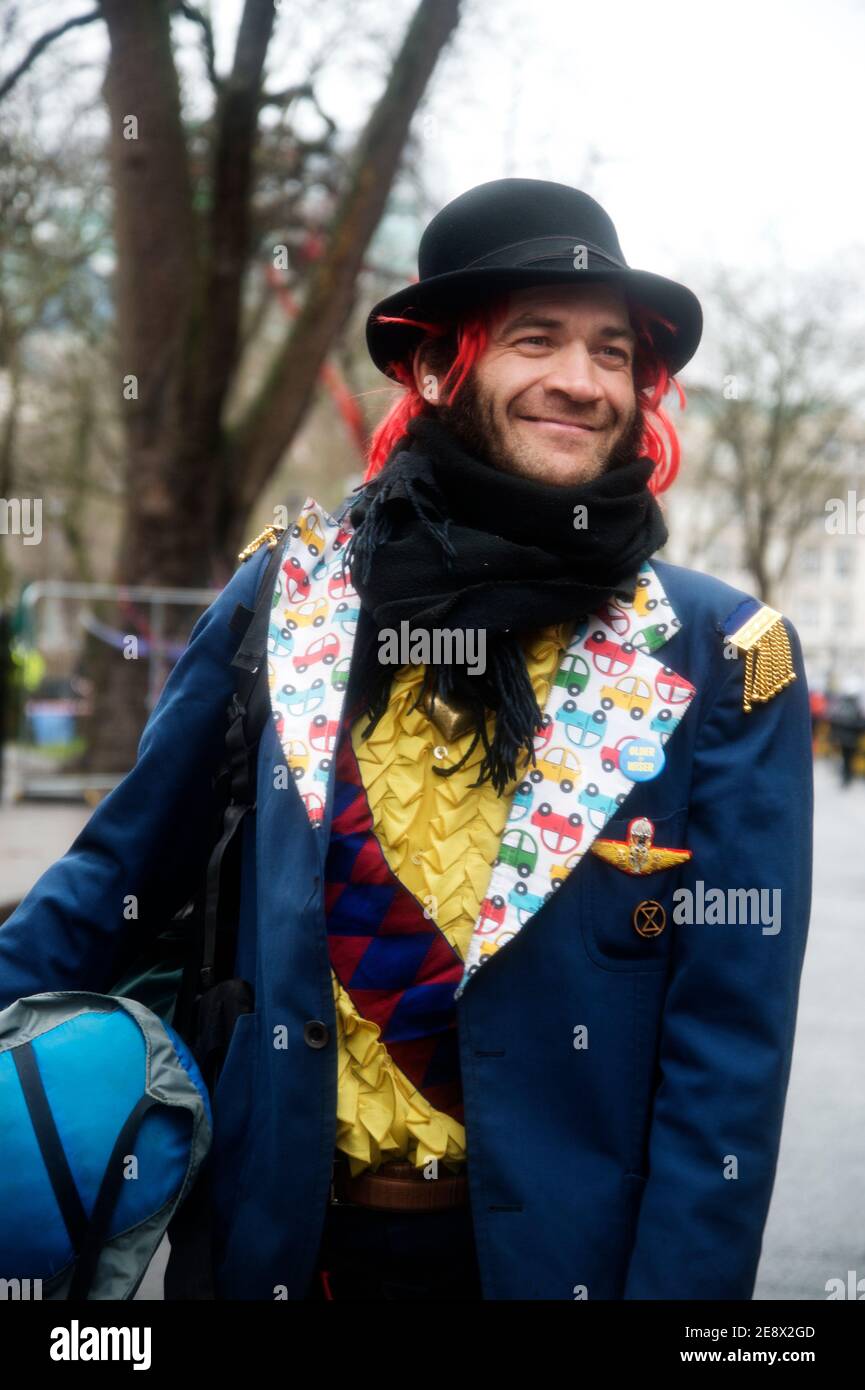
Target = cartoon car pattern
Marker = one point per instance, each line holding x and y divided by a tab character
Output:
322	771
296	583
308	531
610	658
558	765
583	728
560	833
643	603
323	734
615	616
297	702
297	758
573	673
631	693
544	734
339	674
665	723
525	903
324	649
339	586
610	755
521	802
520	850
348	616
607	674
649	639
673	689
599	807
491	915
312	613
280	640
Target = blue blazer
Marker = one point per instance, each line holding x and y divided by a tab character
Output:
624	1087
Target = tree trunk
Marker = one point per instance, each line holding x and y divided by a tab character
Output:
276	414
155	287
179	285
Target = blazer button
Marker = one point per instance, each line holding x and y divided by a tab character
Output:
316	1033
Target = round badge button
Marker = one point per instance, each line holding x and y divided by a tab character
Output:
649	918
641	759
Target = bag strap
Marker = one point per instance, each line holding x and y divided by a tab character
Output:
86	1235
106	1198
50	1145
190	1273
241	747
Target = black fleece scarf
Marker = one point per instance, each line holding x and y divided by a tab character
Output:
447	541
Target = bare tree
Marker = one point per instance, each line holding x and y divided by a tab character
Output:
186	218
47	207
781	396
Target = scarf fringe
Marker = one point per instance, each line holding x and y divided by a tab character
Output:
379	523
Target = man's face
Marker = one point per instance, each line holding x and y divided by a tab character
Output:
552	397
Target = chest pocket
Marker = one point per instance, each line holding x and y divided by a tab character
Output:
627	919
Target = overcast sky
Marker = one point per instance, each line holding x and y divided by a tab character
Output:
722	133
726	132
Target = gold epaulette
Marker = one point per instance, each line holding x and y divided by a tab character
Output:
758	630
270	535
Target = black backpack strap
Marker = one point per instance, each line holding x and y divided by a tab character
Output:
50	1145
207	958
211	999
106	1198
241	747
87	1235
189	1273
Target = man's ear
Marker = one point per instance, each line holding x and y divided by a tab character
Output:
425	379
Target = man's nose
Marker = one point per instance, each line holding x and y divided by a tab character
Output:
572	371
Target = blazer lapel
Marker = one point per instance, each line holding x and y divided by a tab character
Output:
612	708
312	628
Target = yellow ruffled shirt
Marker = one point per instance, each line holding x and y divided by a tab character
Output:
439	836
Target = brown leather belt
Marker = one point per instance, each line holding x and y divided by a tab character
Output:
399	1187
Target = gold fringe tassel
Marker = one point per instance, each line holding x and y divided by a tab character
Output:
768	666
270	534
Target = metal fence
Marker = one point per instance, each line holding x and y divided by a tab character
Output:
52	687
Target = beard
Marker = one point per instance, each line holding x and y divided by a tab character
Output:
470	416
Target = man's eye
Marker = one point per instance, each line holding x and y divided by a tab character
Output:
532	338
621	352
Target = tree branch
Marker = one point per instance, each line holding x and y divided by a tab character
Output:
196	16
228	227
275	414
41	44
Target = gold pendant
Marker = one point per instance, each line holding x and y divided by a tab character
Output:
452	721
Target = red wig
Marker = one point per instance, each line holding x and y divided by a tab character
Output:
652	381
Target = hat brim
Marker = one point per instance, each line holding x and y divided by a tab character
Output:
442	298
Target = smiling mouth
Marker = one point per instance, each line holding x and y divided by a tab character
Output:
569	425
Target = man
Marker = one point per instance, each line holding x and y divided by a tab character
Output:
847	724
526	921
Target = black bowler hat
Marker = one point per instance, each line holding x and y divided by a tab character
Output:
514	232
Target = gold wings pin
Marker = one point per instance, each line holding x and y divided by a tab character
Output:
637	855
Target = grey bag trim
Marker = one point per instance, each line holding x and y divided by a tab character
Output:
124	1259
